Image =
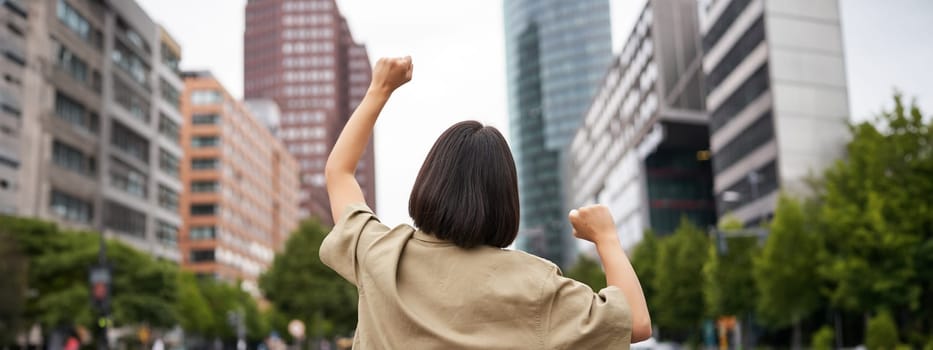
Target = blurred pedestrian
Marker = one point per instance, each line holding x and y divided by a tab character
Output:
72	343
158	344
448	282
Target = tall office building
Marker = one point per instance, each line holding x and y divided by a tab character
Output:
301	54
556	54
96	122
241	201
776	92
643	146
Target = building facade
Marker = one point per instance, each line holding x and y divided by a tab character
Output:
642	148
556	54
301	54
776	92
98	120
240	201
14	29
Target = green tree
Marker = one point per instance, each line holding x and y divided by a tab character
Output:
823	339
878	212
195	314
301	287
143	290
678	281
788	285
728	287
881	333
645	263
589	272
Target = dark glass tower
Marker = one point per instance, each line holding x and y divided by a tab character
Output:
556	55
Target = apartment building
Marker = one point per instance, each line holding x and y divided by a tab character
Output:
241	198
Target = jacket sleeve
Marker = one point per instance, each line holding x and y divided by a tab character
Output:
357	228
577	318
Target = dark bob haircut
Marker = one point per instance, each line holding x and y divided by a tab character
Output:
467	189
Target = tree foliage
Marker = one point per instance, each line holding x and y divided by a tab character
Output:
53	266
788	285
729	288
678	280
878	211
644	261
301	287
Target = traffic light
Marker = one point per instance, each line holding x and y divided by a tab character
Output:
100	288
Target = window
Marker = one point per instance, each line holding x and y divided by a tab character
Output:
203	209
10	104
168	198
166	233
168	163
71	64
73	159
124	220
70	17
130	63
202	232
131	36
130	142
17	7
71	208
136	104
206	97
170	57
751	89
750	188
201	255
205	119
204	141
204	186
75	113
748	42
722	24
755	135
169	128
203	163
124	177
169	93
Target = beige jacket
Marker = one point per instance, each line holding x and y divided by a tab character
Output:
419	292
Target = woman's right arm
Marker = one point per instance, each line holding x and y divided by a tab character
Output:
595	224
388	74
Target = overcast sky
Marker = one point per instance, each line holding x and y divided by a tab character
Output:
458	51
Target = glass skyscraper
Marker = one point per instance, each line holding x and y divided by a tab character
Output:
556	55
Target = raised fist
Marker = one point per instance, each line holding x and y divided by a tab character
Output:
390	73
593	223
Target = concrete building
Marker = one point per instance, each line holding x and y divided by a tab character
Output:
642	148
98	125
302	55
556	54
241	186
776	92
14	29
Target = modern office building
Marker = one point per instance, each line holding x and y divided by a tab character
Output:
556	54
776	92
642	149
301	54
14	29
96	119
241	186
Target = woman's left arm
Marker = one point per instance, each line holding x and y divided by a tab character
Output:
388	74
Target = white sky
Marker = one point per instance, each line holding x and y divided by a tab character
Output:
458	50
